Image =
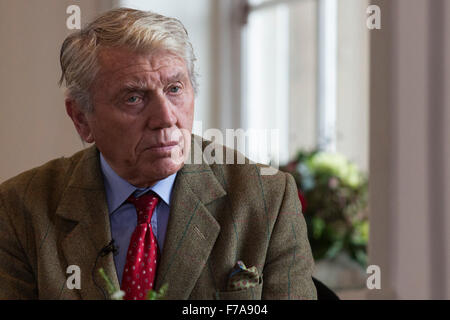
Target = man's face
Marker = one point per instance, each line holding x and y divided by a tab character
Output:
141	103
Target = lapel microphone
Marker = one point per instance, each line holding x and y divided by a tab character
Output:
110	247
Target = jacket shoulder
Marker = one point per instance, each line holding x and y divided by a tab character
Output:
48	178
238	173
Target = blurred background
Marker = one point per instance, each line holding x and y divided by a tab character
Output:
360	115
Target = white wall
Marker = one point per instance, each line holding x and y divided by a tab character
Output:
34	127
352	118
303	77
409	150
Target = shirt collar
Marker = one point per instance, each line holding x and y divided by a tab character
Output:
118	189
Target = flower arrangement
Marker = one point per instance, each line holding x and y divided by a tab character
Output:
333	194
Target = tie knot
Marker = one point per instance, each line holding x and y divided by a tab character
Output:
145	206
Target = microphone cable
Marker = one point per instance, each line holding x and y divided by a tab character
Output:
110	247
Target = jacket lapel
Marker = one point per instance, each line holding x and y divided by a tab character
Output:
85	226
191	232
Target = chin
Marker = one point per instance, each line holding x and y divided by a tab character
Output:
165	167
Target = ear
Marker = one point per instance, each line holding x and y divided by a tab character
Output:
79	120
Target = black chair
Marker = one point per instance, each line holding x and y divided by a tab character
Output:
323	292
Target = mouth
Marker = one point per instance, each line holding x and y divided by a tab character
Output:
162	147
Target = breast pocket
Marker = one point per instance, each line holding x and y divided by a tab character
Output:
253	293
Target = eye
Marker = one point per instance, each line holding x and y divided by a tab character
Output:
134	100
175	89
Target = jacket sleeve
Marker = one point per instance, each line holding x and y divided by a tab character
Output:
16	277
289	263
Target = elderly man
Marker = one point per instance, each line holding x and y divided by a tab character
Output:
130	204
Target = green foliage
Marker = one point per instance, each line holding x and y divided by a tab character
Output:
335	204
153	295
114	293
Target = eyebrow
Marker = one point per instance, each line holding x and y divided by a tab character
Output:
134	85
142	85
178	76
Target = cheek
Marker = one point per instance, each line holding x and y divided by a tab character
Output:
186	115
114	131
106	129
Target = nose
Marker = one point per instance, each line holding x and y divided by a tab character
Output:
161	113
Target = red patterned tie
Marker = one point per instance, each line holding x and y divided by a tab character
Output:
140	267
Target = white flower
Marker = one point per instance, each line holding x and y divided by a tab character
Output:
118	295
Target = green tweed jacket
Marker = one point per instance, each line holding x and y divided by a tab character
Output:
56	215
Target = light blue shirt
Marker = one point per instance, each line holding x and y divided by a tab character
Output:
123	216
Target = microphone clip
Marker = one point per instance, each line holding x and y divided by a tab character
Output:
110	247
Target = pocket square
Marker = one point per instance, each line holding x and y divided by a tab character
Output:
242	278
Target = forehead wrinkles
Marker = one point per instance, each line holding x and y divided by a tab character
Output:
150	72
131	72
146	79
142	79
117	61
